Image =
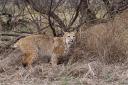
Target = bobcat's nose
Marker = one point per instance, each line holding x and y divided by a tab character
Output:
72	41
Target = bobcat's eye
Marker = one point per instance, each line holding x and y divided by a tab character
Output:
73	36
68	36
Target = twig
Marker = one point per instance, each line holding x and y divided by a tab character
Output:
90	71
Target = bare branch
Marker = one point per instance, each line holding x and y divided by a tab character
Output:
49	19
46	12
38	27
5	2
76	14
58	4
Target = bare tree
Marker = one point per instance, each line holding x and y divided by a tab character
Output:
53	15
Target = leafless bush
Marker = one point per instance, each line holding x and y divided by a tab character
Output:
107	41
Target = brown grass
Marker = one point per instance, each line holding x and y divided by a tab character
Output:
107	41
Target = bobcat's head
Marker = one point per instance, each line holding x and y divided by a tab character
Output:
70	38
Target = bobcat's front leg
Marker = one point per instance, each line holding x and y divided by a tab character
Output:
54	60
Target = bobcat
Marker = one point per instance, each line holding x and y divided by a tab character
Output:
34	45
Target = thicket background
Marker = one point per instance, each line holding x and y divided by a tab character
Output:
100	54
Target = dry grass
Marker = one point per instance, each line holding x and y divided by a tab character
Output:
99	58
107	41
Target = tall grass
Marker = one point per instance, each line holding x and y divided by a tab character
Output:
107	41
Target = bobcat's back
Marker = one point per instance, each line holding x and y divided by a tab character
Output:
34	43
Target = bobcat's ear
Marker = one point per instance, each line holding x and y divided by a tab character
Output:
65	33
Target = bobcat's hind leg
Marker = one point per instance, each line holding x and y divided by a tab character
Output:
28	59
